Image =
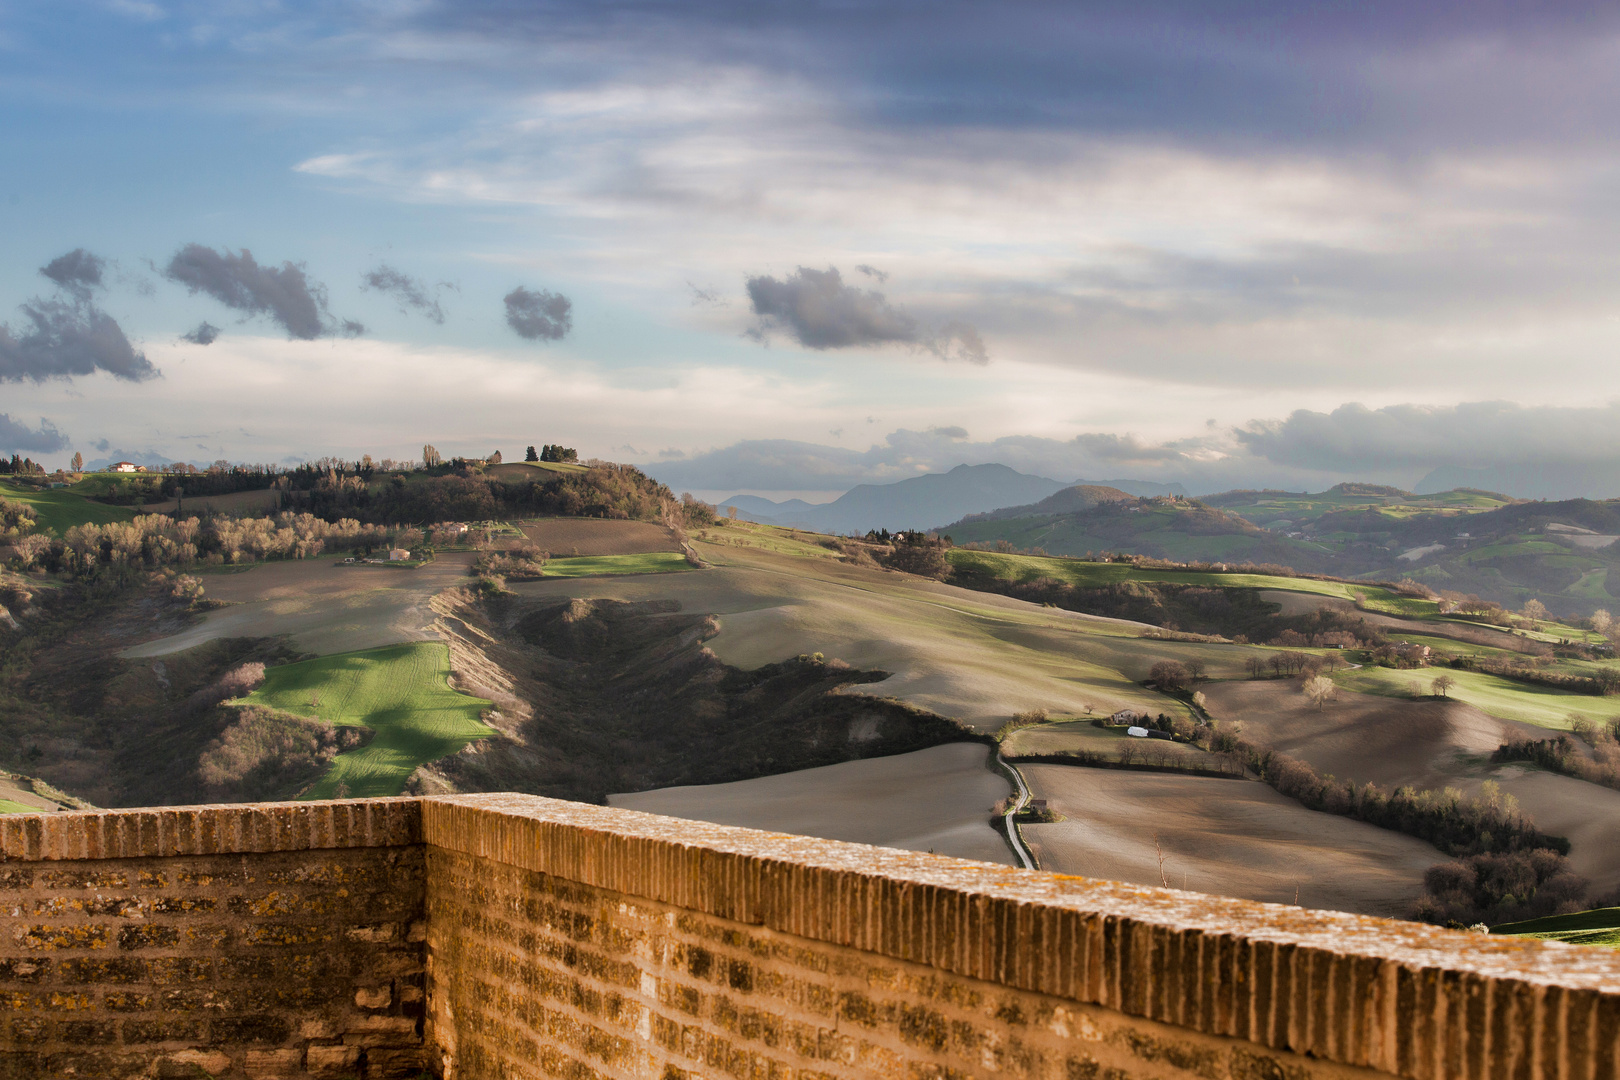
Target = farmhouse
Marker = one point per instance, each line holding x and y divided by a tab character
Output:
125	466
1408	651
398	554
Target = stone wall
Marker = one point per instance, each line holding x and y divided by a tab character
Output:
513	937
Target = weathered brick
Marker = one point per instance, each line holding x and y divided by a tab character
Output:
332	1061
148	937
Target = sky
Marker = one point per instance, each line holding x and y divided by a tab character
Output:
788	248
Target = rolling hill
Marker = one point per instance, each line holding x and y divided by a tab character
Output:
924	502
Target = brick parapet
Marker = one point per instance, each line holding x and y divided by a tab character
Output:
228	829
1395	997
315	939
260	941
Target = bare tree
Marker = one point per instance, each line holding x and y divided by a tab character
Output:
1442	685
78	462
1602	621
1535	611
1319	689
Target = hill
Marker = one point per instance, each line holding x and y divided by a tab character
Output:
921	502
1069	500
925	502
1105	519
1467	542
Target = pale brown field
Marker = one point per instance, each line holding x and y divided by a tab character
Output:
322	606
592	536
937	800
1293	603
976	657
1428	744
1228	837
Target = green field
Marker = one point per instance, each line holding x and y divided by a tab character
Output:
60	509
653	562
1544	706
399	691
9	807
778	538
1600	926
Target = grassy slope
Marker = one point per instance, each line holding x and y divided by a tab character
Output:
653	562
1079	572
399	691
1600	926
9	807
1544	706
60	509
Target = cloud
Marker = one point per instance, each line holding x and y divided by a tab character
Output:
538	315
1470	435
873	272
819	311
79	272
237	280
206	333
18	437
65	339
949	432
412	294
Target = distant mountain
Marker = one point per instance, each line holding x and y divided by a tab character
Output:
1527	481
1068	501
1140	488
921	502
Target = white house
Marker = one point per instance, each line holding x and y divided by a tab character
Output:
125	466
398	554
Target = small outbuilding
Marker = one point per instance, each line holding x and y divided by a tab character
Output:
398	554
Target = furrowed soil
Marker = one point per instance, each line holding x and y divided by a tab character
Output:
1228	837
1427	744
937	800
563	537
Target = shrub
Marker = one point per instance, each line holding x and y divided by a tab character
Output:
1501	887
1171	675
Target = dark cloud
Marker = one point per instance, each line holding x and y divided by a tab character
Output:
236	280
952	432
539	315
206	333
819	311
412	294
18	438
873	272
79	272
64	339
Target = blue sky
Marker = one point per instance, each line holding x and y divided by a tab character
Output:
808	245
